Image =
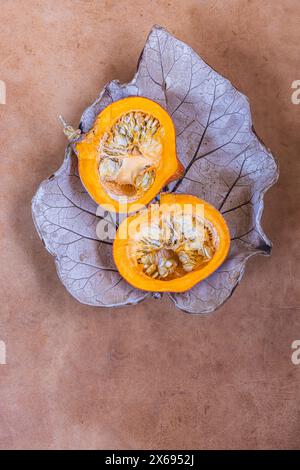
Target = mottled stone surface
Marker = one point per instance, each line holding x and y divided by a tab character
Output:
146	376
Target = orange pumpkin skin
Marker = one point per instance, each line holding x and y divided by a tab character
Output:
86	150
130	270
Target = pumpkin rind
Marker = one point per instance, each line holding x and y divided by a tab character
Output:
127	266
86	148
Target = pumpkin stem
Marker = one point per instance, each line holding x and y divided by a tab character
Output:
69	131
157	295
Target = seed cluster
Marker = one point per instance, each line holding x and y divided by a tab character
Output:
176	244
134	136
158	263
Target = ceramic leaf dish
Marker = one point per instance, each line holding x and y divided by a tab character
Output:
225	164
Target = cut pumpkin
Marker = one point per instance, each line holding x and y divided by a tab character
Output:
171	246
129	155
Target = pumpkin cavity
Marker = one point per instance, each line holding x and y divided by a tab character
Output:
174	245
129	154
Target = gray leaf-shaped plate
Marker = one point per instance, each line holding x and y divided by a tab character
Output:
225	164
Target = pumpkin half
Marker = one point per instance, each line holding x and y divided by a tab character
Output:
129	155
171	246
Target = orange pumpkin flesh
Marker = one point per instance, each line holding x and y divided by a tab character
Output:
127	245
157	149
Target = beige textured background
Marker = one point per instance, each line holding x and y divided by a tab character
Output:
147	376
